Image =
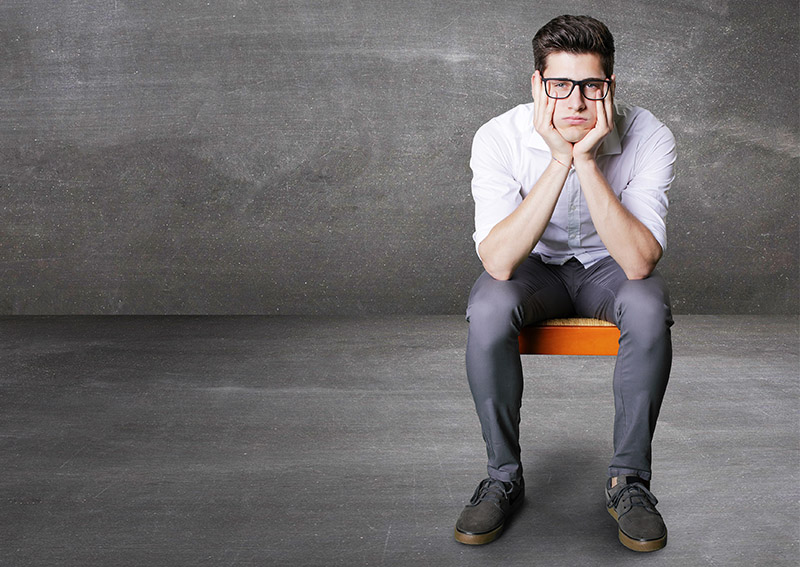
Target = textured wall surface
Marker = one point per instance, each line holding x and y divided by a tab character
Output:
309	157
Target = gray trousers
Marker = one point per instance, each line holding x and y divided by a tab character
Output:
497	311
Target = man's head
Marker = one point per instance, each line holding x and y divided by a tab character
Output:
574	34
578	49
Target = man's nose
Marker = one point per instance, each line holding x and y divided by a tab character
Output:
575	98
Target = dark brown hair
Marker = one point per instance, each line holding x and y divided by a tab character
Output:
574	34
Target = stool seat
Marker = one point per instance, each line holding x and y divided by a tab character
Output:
570	336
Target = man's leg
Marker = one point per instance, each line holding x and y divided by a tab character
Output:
496	312
641	310
640	377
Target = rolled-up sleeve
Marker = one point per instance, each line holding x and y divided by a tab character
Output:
646	195
495	190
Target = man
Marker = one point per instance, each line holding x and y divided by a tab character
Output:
570	206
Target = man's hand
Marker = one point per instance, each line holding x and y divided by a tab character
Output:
543	122
586	148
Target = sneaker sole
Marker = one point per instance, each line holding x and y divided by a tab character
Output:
644	546
479	539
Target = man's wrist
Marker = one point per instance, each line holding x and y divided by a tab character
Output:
565	162
579	160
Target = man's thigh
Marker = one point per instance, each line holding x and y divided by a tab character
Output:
536	291
601	285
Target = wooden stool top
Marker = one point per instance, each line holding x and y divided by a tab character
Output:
575	322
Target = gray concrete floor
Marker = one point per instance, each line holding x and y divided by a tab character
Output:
284	441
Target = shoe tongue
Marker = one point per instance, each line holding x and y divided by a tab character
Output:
632	480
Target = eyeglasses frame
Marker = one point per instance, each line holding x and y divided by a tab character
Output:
578	84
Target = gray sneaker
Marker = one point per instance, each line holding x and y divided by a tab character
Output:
633	506
490	507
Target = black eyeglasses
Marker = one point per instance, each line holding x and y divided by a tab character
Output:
591	89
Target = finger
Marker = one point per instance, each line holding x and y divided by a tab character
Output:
539	98
603	117
551	109
536	84
609	101
602	113
543	107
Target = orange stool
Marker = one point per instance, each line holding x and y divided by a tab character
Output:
570	336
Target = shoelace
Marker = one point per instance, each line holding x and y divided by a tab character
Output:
638	494
490	489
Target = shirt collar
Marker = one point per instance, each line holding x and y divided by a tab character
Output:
609	146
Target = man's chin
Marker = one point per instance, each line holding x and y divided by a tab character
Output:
572	134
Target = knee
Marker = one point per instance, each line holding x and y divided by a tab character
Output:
643	309
496	310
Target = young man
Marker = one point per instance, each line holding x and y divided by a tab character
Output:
570	206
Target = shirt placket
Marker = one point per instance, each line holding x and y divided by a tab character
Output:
573	212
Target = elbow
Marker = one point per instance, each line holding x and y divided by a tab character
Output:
638	274
644	267
497	269
501	276
497	273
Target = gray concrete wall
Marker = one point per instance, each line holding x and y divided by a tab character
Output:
308	157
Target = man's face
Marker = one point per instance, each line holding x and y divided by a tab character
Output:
574	116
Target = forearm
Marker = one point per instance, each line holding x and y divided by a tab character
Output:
628	241
513	238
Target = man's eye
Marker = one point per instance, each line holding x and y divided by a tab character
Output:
560	85
594	86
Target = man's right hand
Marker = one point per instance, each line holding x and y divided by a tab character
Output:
543	110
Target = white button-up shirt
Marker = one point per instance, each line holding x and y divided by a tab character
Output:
637	159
